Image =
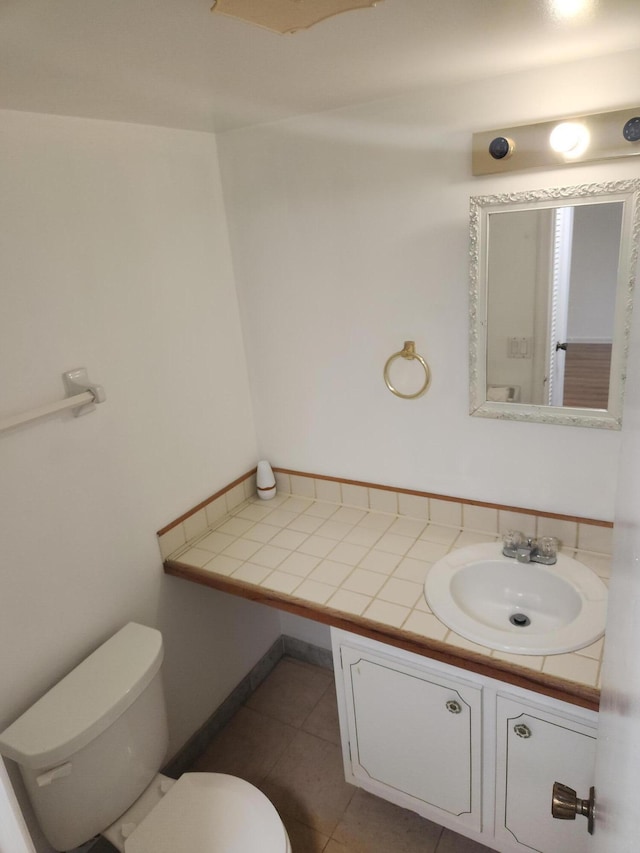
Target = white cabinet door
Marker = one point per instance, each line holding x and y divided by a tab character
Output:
414	735
535	749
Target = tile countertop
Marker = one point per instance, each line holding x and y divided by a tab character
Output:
364	571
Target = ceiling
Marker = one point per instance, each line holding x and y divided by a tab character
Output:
174	63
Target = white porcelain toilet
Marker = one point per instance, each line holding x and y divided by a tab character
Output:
90	749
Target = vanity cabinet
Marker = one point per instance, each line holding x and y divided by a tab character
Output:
466	751
413	738
536	748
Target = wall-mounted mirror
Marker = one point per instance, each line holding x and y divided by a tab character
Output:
551	294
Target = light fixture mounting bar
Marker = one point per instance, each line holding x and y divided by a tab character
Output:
509	149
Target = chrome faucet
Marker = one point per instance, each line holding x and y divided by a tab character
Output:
526	549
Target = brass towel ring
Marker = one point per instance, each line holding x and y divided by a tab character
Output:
408	351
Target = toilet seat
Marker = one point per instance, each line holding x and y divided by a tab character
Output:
210	813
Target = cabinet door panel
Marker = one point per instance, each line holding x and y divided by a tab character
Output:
537	749
414	734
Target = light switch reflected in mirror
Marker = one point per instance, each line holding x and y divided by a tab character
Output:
552	275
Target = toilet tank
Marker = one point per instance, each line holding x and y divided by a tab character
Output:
90	746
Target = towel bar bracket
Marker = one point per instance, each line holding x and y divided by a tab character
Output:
77	382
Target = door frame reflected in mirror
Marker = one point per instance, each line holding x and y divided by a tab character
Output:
481	208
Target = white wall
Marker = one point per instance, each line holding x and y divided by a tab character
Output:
349	235
114	255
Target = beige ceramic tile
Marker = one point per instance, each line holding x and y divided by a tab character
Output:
508	520
382	500
223	565
593	651
349	515
280	517
323	721
451	842
261	532
422	605
283	483
355	495
572	667
315	591
387	613
296	504
299	564
426	551
565	531
448	513
288	538
454	639
367	583
377	521
410	569
349	602
251	573
234	497
291	692
305	524
399	591
303	486
317	546
394	544
303	838
411	527
195	524
334	529
481	518
172	540
425	624
600	563
414	506
215	510
269	556
594	538
328	571
235	526
328	490
254	511
319	509
195	557
348	553
242	549
437	533
281	582
216	542
474	537
363	536
380	561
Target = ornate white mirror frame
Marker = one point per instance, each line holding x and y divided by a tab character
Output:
507	406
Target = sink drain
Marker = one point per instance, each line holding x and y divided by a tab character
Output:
520	620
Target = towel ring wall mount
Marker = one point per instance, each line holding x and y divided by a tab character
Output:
408	352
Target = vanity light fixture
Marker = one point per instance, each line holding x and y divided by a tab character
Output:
286	16
581	139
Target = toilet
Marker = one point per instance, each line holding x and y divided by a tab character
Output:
90	750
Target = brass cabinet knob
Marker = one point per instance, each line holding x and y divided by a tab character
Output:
565	804
453	707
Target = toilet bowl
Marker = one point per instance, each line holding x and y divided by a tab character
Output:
89	752
200	813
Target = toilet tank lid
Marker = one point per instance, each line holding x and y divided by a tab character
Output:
87	701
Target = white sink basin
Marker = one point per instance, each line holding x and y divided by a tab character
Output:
523	608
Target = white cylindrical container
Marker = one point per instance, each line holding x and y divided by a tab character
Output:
265	481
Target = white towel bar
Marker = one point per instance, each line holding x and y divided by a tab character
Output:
82	396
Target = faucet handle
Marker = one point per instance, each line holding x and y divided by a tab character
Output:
547	550
511	541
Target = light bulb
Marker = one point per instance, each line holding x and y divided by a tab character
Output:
569	138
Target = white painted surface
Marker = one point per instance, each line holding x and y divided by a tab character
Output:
175	64
618	757
114	255
14	836
350	235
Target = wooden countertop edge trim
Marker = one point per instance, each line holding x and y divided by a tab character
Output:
538	682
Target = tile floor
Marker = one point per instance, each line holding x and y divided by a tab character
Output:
286	741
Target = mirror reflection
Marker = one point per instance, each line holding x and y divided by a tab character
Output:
552	275
551	304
